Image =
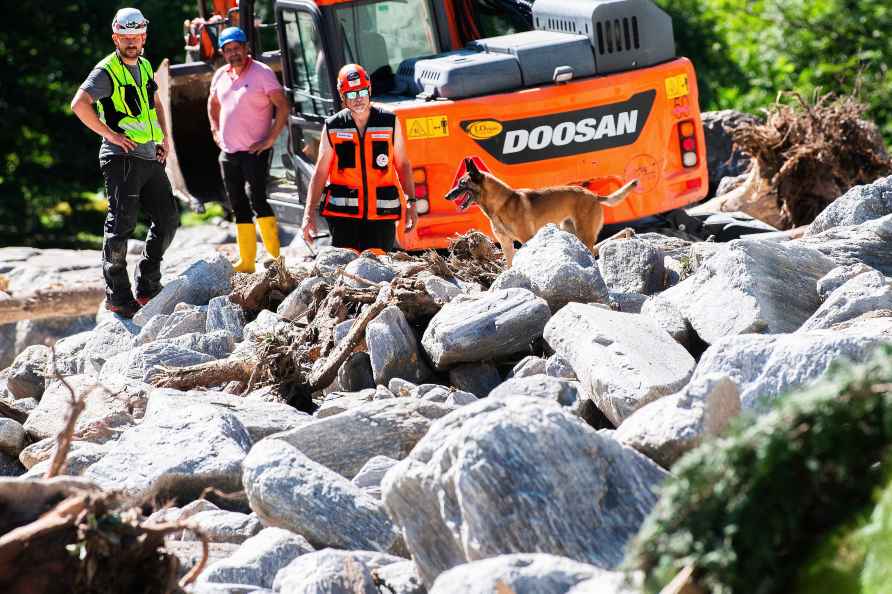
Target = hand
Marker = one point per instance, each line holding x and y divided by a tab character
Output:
411	217
122	141
309	227
259	147
162	150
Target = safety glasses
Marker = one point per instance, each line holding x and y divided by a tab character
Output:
354	95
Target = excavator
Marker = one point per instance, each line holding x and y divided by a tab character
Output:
555	92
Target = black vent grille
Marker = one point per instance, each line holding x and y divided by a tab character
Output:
618	35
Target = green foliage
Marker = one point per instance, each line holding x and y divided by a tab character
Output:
213	210
746	51
857	558
47	157
748	509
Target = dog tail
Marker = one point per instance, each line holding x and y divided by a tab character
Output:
619	195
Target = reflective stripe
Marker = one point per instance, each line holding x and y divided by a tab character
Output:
379	129
343	201
136	126
382	204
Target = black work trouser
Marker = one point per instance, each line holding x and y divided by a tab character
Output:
131	183
244	167
361	234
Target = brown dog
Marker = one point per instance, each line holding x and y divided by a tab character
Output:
518	214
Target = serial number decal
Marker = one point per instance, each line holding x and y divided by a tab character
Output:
677	86
569	133
429	127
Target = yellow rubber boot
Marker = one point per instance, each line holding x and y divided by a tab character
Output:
247	247
269	231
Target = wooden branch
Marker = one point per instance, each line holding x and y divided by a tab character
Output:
204	374
6	410
52	303
326	373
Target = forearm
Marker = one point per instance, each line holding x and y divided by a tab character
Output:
214	116
278	124
314	190
85	113
404	171
162	116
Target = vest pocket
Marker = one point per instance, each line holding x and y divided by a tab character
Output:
151	89
131	100
346	153
387	201
341	199
380	158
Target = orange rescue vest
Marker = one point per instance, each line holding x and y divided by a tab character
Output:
362	180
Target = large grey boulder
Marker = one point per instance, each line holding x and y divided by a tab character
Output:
556	266
669	318
622	360
329	259
585	493
477	378
393	347
259	418
298	300
838	277
372	473
81	455
346	441
225	315
183	321
522	573
258	560
69	353
632	266
10	466
143	363
563	391
287	489
868	243
110	338
26	377
529	365
332	572
865	293
766	367
400	578
723	158
337	402
751	286
104	416
484	326
356	373
224	526
856	206
369	268
12	437
667	428
51	330
202	281
176	453
218	344
266	322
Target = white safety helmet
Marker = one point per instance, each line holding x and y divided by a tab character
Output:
129	21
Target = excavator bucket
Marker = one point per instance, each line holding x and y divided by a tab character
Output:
192	165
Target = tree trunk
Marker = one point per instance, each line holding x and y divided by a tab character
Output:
52	303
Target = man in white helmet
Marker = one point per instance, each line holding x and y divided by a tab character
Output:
131	122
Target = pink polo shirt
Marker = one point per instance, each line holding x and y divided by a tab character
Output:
246	112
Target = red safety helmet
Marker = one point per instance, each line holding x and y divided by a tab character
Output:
352	77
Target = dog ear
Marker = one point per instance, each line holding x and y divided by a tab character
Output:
472	169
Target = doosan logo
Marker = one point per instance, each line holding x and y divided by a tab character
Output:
585	130
555	135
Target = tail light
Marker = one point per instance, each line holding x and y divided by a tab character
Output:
687	140
422	205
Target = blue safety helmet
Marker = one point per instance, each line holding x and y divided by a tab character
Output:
231	34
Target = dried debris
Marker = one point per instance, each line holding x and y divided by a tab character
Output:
301	358
806	154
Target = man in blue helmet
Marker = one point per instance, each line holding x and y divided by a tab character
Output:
131	122
244	97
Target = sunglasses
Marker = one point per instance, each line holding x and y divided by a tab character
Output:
354	95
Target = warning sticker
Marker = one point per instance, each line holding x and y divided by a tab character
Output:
429	127
677	86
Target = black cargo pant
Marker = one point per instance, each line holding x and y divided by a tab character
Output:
361	234
131	183
239	168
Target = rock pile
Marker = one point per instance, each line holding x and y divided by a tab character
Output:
396	424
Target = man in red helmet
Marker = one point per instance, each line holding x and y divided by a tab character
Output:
362	157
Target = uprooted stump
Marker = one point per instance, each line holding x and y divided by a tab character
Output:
805	156
473	257
264	290
66	536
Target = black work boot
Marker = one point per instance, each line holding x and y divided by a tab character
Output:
143	296
126	309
